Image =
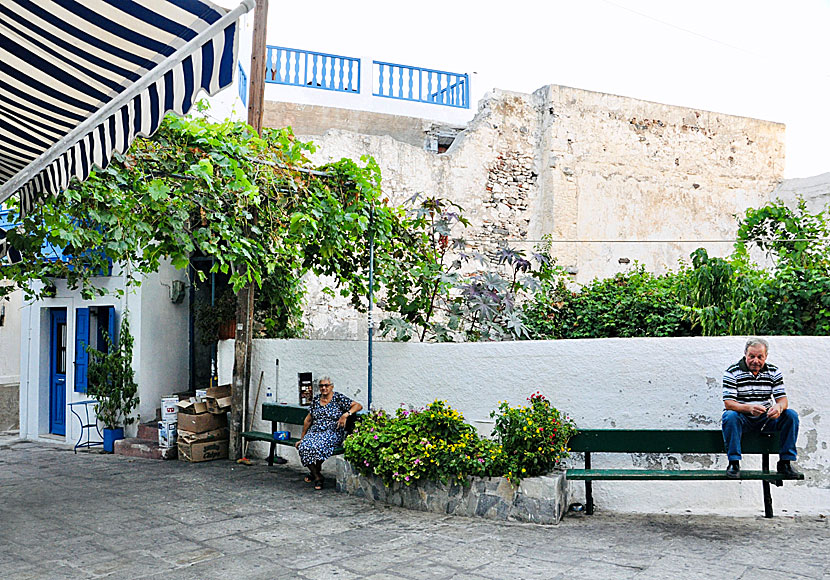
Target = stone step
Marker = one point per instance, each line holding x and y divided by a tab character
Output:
149	431
145	448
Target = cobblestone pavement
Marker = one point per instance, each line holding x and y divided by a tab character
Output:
92	515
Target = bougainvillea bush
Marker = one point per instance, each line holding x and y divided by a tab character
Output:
436	444
534	438
433	443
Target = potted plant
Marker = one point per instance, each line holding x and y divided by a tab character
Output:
111	383
216	321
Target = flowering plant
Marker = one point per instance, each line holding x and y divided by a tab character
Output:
534	438
433	443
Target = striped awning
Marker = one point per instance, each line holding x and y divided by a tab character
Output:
80	79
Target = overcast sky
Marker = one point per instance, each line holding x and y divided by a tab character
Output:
760	58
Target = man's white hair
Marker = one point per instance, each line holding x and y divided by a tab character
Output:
755	341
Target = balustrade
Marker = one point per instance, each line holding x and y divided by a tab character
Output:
305	68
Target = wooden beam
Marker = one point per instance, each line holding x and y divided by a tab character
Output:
245	298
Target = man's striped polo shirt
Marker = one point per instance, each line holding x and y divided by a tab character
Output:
739	384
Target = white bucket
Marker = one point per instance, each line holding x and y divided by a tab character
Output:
169	409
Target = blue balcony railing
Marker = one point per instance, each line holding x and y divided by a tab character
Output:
304	68
243	85
412	83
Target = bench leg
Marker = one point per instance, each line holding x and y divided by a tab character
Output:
589	492
589	498
271	453
767	501
767	494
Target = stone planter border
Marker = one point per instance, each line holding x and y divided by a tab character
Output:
541	500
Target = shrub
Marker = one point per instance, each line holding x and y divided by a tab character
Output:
629	304
534	439
433	443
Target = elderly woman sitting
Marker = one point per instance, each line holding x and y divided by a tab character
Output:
324	429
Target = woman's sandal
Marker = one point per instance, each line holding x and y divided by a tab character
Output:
308	479
318	484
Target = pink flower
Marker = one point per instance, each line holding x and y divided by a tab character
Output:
417	461
406	478
376	436
366	463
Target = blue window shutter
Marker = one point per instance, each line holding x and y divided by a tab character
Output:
111	328
81	356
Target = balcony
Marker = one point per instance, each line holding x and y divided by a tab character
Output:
307	77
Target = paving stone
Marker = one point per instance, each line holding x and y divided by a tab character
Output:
174	521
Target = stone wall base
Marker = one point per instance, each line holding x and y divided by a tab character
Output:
541	500
9	406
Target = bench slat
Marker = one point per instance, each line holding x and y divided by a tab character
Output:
669	474
666	441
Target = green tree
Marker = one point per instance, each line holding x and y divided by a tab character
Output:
254	204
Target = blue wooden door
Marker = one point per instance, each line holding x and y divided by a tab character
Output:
57	373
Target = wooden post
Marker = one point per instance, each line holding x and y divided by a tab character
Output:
245	297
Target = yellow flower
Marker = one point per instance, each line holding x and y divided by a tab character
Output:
524	428
523	470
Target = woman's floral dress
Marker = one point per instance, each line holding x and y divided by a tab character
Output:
324	435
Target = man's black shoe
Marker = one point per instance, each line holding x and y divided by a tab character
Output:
734	470
785	468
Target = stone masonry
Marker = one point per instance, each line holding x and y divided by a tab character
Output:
540	500
590	170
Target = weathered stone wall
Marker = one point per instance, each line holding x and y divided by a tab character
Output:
317	119
578	166
540	500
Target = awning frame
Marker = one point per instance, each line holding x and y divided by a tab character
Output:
80	131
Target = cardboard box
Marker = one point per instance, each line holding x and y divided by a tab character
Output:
192	406
205	451
215	435
217	406
218	392
201	422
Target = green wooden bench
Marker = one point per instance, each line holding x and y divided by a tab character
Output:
286	414
590	441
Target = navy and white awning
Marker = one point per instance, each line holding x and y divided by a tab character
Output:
80	79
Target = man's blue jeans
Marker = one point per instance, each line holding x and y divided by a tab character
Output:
734	424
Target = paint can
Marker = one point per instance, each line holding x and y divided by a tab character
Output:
169	409
168	434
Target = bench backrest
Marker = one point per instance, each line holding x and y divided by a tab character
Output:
666	441
292	414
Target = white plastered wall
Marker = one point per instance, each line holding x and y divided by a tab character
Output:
671	383
160	352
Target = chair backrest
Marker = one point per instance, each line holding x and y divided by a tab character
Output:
666	441
293	414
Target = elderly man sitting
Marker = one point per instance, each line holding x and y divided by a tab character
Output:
754	399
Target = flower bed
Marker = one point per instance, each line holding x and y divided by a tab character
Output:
453	469
540	500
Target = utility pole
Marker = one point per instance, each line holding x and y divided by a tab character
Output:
245	298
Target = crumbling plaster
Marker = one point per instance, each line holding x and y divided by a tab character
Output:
587	169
